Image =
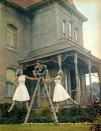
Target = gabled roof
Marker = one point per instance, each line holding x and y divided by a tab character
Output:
26	3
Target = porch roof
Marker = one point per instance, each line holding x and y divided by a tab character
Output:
32	57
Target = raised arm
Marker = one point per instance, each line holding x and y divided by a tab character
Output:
56	78
31	78
14	80
52	79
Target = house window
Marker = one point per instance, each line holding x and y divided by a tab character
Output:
70	29
10	88
64	27
11	36
76	34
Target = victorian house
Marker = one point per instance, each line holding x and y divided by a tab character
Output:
50	31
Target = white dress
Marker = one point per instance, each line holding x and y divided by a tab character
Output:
21	92
60	94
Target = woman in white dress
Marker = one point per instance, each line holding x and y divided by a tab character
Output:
60	94
21	93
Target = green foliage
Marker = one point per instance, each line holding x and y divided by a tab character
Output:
42	114
96	125
14	117
45	115
77	114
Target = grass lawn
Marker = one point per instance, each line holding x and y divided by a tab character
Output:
32	127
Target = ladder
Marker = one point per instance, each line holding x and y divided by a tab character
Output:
33	97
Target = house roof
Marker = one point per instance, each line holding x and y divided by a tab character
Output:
26	3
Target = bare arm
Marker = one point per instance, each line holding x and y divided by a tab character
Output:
14	81
52	79
56	78
31	78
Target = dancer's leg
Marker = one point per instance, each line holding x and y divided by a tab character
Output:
75	102
57	107
13	104
27	105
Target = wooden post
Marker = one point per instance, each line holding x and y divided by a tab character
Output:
66	85
31	103
83	82
59	61
90	79
69	82
77	78
99	74
50	101
38	96
89	69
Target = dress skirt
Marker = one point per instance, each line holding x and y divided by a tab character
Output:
21	93
60	94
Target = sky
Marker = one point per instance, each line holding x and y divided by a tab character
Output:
91	28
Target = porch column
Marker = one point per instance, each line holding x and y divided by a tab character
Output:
99	74
59	61
83	87
60	66
90	79
66	86
69	81
77	78
89	69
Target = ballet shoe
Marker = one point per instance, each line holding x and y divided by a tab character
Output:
76	103
9	110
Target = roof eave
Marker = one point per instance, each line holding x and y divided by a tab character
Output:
16	5
37	4
83	18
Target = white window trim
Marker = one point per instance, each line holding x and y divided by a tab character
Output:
70	29
11	32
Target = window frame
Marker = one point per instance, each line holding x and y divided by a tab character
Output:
76	34
11	37
64	27
70	29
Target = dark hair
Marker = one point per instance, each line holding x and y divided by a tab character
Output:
40	62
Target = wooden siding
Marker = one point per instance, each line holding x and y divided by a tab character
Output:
9	15
43	28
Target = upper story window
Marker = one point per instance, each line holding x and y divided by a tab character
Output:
11	36
70	29
76	34
64	27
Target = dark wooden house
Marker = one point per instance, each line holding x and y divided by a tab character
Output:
50	31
